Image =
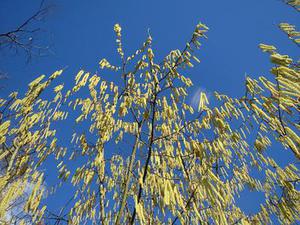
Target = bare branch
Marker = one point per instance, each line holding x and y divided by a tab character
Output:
25	36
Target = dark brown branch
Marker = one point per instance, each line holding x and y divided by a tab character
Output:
24	36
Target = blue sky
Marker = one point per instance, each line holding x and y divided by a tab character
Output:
81	33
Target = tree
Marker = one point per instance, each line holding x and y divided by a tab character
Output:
176	164
23	39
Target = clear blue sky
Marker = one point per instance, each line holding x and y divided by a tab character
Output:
81	33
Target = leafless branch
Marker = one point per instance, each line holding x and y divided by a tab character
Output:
25	36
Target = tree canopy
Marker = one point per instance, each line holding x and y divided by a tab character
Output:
135	151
